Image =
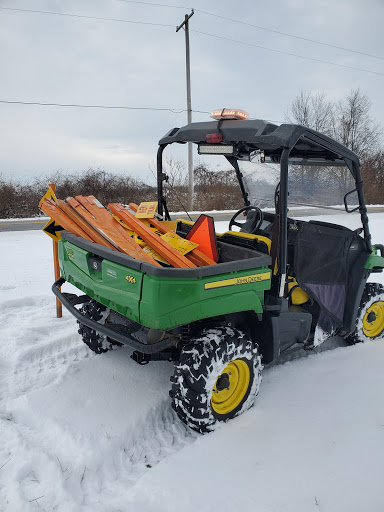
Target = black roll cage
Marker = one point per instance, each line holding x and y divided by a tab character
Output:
279	143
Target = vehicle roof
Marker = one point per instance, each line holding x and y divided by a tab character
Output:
256	134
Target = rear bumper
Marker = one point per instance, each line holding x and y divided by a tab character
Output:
116	332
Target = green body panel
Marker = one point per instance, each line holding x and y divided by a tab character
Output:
374	260
163	302
170	302
110	286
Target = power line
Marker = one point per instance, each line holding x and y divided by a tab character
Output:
114	107
155	5
260	27
198	32
287	53
289	35
87	17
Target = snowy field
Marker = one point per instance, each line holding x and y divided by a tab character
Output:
88	433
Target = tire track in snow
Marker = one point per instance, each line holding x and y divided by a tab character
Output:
39	366
38	351
3	379
81	481
34	476
5	288
156	437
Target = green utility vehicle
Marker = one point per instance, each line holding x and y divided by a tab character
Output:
281	284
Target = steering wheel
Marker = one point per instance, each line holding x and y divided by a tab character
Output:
256	221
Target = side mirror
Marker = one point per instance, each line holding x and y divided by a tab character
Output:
351	201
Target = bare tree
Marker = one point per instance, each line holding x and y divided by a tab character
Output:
176	186
314	111
354	126
349	122
216	190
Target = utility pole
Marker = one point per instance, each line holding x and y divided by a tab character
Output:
189	106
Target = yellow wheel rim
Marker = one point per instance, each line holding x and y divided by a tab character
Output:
231	387
373	321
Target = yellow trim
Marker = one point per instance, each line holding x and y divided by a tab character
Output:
253	278
226	400
375	327
248	236
187	222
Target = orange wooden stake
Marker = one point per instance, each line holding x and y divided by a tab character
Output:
56	265
195	256
99	217
163	248
94	235
89	218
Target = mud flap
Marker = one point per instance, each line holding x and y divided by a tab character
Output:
289	328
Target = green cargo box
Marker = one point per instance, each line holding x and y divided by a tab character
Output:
165	298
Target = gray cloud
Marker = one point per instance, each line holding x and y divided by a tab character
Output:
68	60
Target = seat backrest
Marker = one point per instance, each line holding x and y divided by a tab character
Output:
257	242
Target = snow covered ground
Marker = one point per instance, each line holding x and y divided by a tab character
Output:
81	432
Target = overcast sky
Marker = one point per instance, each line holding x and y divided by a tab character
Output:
63	59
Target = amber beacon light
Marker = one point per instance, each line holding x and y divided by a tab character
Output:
229	113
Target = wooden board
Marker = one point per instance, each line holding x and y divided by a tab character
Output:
154	241
88	228
52	210
105	219
109	228
196	256
90	219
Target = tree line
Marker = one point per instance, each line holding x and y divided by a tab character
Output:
20	200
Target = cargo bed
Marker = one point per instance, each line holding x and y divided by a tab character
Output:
165	298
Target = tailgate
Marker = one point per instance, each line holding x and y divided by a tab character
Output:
116	284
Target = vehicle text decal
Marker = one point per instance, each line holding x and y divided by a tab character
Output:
70	253
254	278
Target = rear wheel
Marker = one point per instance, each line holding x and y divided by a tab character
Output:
370	318
95	341
217	378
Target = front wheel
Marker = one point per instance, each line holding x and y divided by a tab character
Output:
217	378
370	317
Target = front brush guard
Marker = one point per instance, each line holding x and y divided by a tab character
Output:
116	332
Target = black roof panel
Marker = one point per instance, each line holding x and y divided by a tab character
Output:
269	137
